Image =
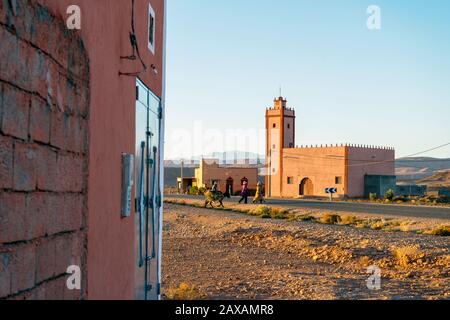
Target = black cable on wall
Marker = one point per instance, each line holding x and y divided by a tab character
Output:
135	47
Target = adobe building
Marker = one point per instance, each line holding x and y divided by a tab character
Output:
228	177
307	171
76	106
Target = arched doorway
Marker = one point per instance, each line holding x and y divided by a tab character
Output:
306	187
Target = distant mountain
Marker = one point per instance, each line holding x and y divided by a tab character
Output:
439	179
228	157
411	170
177	163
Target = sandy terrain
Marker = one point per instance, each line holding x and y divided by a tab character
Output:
234	256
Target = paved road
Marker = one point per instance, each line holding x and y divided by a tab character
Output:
382	209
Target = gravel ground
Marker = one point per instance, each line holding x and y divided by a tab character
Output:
233	256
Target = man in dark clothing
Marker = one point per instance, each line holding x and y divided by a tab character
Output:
244	193
214	188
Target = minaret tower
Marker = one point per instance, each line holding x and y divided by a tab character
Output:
280	134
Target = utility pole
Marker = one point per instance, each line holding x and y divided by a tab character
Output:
182	177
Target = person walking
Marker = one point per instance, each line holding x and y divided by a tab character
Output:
244	193
259	194
215	187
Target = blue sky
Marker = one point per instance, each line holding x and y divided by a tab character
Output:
228	58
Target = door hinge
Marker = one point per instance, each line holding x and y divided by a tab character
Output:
160	112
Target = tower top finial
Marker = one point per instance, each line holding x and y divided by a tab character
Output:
280	103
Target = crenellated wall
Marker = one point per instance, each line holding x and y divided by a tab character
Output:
332	166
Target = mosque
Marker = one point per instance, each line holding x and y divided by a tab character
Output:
352	170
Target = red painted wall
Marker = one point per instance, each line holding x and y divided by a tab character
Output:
105	31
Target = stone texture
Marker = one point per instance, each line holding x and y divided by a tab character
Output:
43	144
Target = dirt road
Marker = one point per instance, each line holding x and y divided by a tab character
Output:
232	256
393	210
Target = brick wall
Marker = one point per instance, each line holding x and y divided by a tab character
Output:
44	106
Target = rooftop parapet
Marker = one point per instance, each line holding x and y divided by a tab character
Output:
347	145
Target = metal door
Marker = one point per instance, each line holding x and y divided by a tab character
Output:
148	194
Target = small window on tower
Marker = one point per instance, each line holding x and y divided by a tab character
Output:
290	180
151	29
274	125
338	180
289	125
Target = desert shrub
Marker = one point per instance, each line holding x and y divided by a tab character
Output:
348	220
373	196
405	226
278	213
389	195
193	191
407	255
306	218
262	210
330	218
426	199
267	212
443	231
275	211
400	199
374	224
380	224
280	216
377	224
443	199
364	261
184	292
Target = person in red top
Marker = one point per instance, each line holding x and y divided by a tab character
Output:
244	192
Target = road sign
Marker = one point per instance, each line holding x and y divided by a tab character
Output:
331	191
